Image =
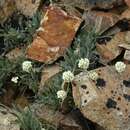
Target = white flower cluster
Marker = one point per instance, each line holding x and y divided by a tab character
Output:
120	66
61	94
93	75
83	63
15	79
68	76
6	121
27	66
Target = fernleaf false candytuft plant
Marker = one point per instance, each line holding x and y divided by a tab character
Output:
83	47
18	31
49	96
12	71
27	120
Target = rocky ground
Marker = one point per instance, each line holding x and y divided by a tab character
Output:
65	65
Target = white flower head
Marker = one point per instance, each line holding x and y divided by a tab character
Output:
43	129
120	66
27	66
93	75
68	76
15	79
83	63
61	94
6	121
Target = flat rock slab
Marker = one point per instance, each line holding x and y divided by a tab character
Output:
54	36
15	53
126	14
100	20
107	100
55	118
47	73
110	50
88	4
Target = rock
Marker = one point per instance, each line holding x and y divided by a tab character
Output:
107	100
127	37
126	14
110	50
27	7
15	53
90	4
7	8
54	36
46	114
127	55
65	122
68	123
22	102
48	72
100	20
7	121
126	48
8	97
127	2
127	51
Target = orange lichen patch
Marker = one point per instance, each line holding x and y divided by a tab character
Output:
55	34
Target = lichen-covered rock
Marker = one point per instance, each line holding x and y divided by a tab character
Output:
54	36
107	100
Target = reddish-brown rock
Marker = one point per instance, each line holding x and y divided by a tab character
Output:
54	36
